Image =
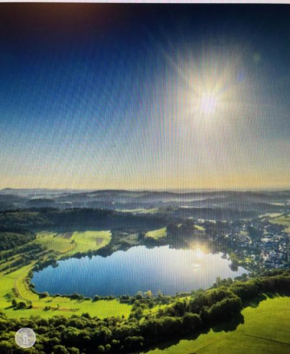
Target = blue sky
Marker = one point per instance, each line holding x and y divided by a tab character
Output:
144	96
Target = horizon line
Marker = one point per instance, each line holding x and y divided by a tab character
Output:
151	189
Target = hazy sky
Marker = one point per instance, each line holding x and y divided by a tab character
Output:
144	96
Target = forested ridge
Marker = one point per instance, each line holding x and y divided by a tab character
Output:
13	237
76	219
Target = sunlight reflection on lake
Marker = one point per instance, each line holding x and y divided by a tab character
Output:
126	272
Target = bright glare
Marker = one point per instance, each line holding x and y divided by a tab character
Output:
199	253
208	103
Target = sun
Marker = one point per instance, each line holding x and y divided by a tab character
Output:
208	103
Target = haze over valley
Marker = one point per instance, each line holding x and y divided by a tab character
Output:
144	178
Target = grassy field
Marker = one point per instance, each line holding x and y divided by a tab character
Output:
73	242
58	305
90	240
156	234
198	227
283	220
55	242
266	329
13	285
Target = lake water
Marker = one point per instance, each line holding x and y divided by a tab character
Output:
126	272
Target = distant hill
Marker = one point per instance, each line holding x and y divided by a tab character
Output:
77	219
238	201
41	203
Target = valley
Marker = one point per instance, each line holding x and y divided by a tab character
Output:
113	263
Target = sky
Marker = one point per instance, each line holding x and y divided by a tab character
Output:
107	96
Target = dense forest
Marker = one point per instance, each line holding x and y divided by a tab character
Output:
76	219
14	237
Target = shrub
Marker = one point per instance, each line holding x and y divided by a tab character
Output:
191	322
21	305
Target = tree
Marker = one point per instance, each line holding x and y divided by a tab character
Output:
101	349
191	322
148	294
108	347
105	334
74	350
134	342
186	228
170	326
141	235
43	295
172	230
139	295
218	281
205	316
138	314
21	305
159	294
6	347
60	349
225	309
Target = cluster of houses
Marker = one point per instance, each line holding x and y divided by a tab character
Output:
275	246
257	243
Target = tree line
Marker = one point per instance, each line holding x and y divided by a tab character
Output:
183	317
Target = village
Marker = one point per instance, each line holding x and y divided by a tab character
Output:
255	244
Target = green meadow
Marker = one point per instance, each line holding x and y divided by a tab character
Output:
160	233
74	242
284	221
156	234
265	330
14	285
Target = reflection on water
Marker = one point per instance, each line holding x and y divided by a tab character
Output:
160	268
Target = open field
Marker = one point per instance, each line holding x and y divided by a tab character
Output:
265	330
58	305
67	308
90	240
283	220
14	286
55	242
198	227
156	234
70	243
